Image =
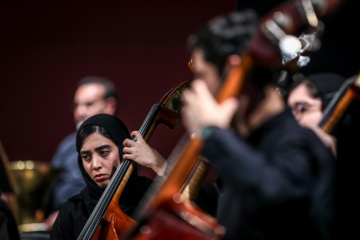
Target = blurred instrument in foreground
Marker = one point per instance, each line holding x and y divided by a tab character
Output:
340	103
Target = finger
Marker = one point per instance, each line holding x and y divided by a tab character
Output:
228	108
138	135
127	156
128	142
203	92
135	133
127	150
186	96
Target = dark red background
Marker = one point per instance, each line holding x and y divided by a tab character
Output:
47	46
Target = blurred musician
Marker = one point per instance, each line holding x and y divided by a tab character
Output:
276	177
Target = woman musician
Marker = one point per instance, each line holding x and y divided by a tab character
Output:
309	96
100	146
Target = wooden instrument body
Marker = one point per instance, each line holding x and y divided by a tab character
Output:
178	218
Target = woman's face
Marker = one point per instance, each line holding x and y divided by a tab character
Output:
100	158
307	109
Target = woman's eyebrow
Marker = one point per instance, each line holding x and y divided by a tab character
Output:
96	149
84	152
102	147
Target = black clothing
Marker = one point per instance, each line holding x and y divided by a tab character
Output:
278	184
347	199
75	212
8	226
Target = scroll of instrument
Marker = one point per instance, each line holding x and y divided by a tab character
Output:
337	107
108	221
266	49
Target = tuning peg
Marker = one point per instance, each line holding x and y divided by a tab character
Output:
290	47
303	61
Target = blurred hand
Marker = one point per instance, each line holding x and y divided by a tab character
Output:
202	110
328	140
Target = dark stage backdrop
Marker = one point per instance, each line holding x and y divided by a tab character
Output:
47	46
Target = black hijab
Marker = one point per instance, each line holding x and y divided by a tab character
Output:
327	85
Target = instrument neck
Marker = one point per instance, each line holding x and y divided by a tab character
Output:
336	109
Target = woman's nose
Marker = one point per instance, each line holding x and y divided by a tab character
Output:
96	162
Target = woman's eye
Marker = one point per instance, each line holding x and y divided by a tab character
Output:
104	152
301	107
85	157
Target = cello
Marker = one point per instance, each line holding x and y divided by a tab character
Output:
108	221
263	52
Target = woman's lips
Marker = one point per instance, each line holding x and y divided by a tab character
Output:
99	177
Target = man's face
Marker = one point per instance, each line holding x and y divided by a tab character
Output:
88	101
205	70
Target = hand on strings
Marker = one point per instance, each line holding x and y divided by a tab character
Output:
202	110
143	154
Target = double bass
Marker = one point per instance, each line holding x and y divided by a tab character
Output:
266	49
108	221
